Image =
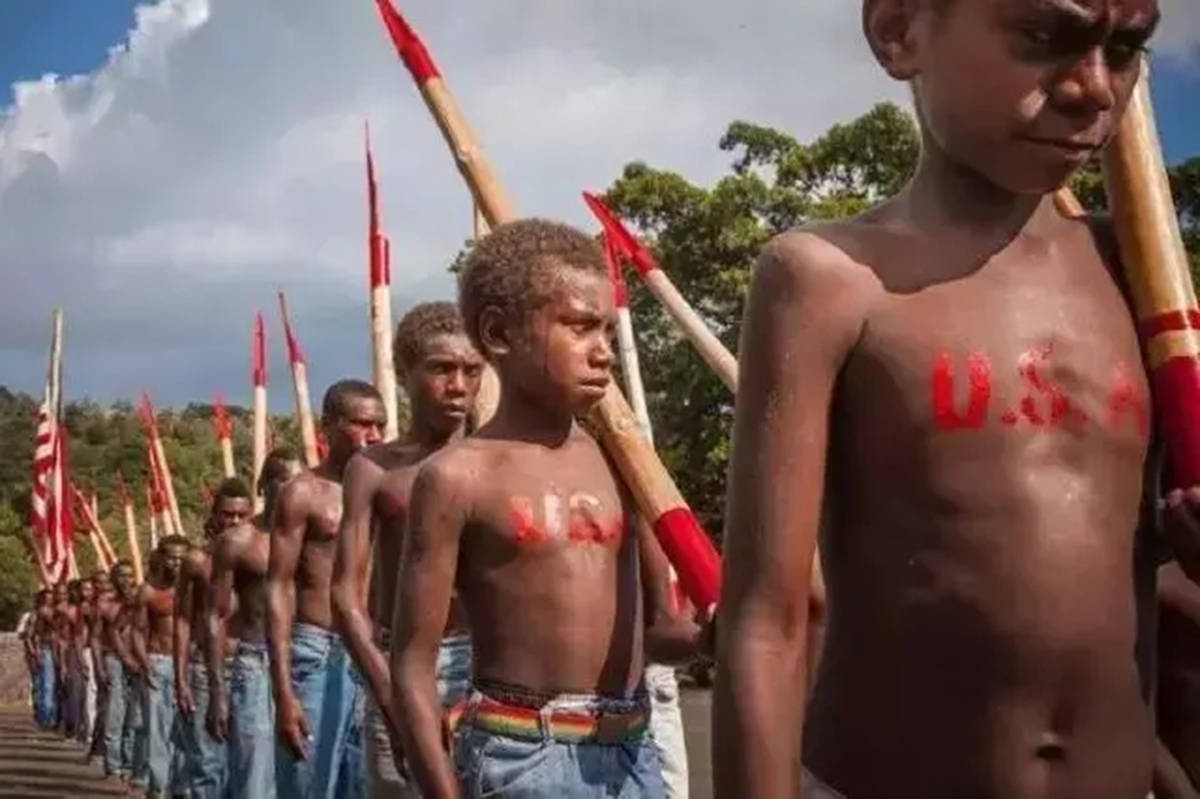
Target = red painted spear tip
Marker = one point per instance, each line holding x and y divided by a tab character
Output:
260	351
613	259
295	354
622	240
408	44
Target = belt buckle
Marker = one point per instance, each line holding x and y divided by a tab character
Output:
613	728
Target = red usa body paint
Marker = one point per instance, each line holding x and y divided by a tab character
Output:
1125	400
1058	409
979	380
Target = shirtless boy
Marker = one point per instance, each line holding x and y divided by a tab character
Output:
104	593
81	642
441	370
70	677
203	759
955	378
153	627
529	520
120	672
243	711
316	698
45	709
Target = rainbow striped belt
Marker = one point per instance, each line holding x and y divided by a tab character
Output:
567	725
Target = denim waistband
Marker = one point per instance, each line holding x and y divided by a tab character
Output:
302	629
250	648
383	637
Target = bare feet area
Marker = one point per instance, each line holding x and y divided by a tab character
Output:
35	763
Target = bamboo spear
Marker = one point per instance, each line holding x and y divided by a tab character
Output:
693	327
383	365
1156	271
159	462
153	517
259	380
158	494
131	533
304	414
687	546
223	426
103	547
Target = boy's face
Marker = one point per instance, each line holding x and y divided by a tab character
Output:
360	425
565	354
170	561
60	593
230	512
87	591
442	384
1024	92
103	584
124	580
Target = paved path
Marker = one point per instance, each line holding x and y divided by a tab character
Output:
36	764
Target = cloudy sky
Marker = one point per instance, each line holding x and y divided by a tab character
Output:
166	167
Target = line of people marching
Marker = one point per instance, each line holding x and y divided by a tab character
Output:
324	647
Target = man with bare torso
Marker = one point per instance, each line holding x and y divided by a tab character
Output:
954	378
120	671
153	630
42	642
316	696
528	519
70	677
81	641
198	655
243	713
1177	771
441	371
104	594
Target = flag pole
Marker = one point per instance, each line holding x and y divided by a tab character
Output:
304	414
685	543
131	533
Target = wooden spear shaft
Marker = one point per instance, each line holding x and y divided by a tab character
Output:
379	264
687	546
153	518
304	413
259	380
1156	271
135	546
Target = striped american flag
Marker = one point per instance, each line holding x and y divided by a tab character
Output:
53	524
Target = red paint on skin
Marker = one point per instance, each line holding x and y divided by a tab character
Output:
945	415
1061	410
1125	398
521	515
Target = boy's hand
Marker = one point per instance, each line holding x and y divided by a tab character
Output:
293	726
187	702
1181	518
218	718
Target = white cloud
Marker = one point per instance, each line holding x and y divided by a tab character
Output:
217	155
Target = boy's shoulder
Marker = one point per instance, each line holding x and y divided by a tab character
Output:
462	464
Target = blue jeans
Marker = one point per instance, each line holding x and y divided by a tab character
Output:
45	707
251	724
330	698
495	764
160	724
135	753
114	716
200	759
454	669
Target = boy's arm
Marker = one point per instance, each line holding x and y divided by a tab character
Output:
804	313
181	637
96	641
1171	781
287	540
670	636
423	589
361	480
218	606
141	624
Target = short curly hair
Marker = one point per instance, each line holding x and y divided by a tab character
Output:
512	268
421	323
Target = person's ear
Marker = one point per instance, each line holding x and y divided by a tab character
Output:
493	333
890	28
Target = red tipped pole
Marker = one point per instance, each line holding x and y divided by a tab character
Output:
223	426
259	381
690	324
304	414
379	259
131	533
687	546
159	460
